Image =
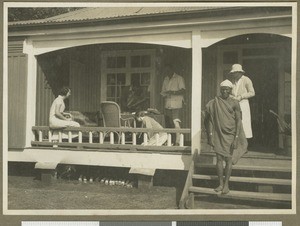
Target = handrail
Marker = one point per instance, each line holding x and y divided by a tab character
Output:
112	129
96	136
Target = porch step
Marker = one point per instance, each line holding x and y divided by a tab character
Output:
250	168
243	195
246	179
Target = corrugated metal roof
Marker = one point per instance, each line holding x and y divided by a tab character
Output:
106	13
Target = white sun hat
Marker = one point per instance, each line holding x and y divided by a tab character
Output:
226	83
236	68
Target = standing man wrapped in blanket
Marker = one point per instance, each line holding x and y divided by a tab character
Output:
225	133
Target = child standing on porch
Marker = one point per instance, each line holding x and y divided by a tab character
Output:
150	123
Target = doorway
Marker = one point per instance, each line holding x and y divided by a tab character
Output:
264	74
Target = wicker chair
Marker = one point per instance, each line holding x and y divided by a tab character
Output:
111	115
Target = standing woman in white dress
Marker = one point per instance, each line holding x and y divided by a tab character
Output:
242	90
57	117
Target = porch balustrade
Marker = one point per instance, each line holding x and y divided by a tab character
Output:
105	138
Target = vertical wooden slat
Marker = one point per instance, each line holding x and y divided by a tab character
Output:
181	140
70	136
122	138
134	138
40	136
50	136
90	137
145	139
169	143
101	138
80	137
112	140
60	136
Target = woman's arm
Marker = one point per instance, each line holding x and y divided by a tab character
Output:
58	113
250	90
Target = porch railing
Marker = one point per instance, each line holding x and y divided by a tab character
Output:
107	138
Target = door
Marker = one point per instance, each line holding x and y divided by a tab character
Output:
264	75
261	65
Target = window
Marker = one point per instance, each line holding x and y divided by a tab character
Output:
122	70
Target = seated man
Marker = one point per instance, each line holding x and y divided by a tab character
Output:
150	123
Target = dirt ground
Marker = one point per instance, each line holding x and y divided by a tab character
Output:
28	193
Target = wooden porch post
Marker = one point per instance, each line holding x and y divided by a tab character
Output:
31	91
196	90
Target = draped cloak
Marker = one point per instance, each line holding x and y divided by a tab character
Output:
222	116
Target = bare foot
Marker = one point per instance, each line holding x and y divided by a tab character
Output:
225	190
220	188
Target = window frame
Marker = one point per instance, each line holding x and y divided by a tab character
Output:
128	70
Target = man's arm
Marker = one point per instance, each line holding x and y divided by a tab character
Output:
208	128
177	92
164	91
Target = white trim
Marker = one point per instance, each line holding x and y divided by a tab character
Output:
5	110
128	70
294	107
104	158
177	39
196	90
31	91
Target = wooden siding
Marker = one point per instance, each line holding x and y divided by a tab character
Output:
85	87
44	98
17	94
209	75
15	47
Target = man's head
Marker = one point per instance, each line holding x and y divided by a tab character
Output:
225	88
169	71
140	115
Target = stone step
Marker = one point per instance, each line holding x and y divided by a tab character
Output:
259	196
253	180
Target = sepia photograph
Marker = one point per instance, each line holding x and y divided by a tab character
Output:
149	108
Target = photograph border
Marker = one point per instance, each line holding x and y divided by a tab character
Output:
165	214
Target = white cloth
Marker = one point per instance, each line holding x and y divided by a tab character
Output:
244	88
150	123
226	83
246	117
175	83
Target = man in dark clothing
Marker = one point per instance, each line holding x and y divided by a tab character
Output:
225	132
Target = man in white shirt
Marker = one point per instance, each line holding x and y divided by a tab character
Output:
173	90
